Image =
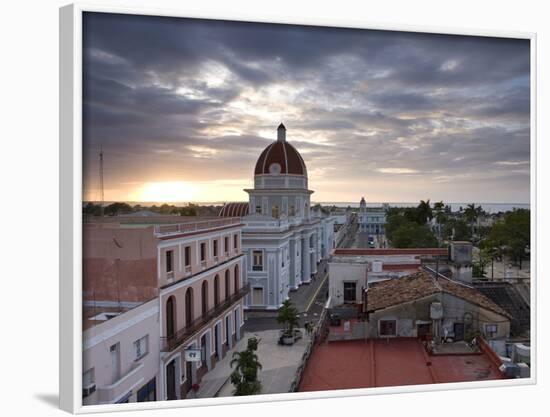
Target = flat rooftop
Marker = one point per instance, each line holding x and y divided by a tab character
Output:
93	315
388	363
164	226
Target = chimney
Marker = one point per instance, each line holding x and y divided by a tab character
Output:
281	133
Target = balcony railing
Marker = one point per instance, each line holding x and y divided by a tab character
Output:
170	343
169	229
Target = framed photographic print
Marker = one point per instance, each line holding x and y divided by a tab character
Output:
272	210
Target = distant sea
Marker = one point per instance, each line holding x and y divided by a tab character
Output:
488	207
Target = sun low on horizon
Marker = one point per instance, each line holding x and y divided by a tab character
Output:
179	191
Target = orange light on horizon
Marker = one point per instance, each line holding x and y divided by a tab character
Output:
166	191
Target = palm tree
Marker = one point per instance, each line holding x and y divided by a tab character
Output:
472	213
440	217
288	316
424	211
245	375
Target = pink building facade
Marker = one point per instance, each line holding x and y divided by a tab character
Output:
191	270
201	299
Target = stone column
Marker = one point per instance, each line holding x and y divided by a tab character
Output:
306	260
313	261
292	266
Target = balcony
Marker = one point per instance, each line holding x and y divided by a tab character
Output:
194	226
125	383
168	344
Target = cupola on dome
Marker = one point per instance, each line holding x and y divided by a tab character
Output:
280	157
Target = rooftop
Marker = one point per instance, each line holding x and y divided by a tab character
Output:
392	251
389	362
164	226
93	315
422	284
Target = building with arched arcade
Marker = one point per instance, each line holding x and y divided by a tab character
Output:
154	289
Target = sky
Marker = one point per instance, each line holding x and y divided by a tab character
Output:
182	108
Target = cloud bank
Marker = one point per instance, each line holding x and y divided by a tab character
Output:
394	116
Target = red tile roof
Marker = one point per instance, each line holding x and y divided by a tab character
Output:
422	284
400	267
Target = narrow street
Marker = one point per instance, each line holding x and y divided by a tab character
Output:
308	299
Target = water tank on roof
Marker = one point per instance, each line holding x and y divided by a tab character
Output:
376	266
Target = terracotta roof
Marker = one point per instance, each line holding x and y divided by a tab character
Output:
400	267
234	210
419	285
392	251
284	154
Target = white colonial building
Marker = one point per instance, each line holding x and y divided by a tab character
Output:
372	219
283	239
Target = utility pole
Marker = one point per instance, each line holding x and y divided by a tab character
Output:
102	197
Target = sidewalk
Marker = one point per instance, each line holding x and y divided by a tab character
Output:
217	377
279	363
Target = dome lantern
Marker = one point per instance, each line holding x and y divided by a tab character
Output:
281	133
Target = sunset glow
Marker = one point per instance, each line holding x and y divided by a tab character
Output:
392	116
167	191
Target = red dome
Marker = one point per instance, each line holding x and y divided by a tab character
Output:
284	155
234	210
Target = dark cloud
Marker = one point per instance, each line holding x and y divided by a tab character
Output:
169	95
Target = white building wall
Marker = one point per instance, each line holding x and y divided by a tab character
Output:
339	273
134	373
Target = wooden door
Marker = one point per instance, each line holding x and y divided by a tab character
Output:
171	381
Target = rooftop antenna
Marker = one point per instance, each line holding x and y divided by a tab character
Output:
101	178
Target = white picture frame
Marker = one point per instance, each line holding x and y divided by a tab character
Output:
70	261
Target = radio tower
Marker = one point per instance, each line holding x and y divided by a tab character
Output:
101	177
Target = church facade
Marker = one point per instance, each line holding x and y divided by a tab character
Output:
283	239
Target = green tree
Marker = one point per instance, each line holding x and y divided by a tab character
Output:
245	375
479	266
490	252
440	217
92	209
413	235
288	316
424	212
457	229
190	210
513	234
115	209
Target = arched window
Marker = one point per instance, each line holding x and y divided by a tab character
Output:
170	317
204	297
189	306
236	278
227	284
216	290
